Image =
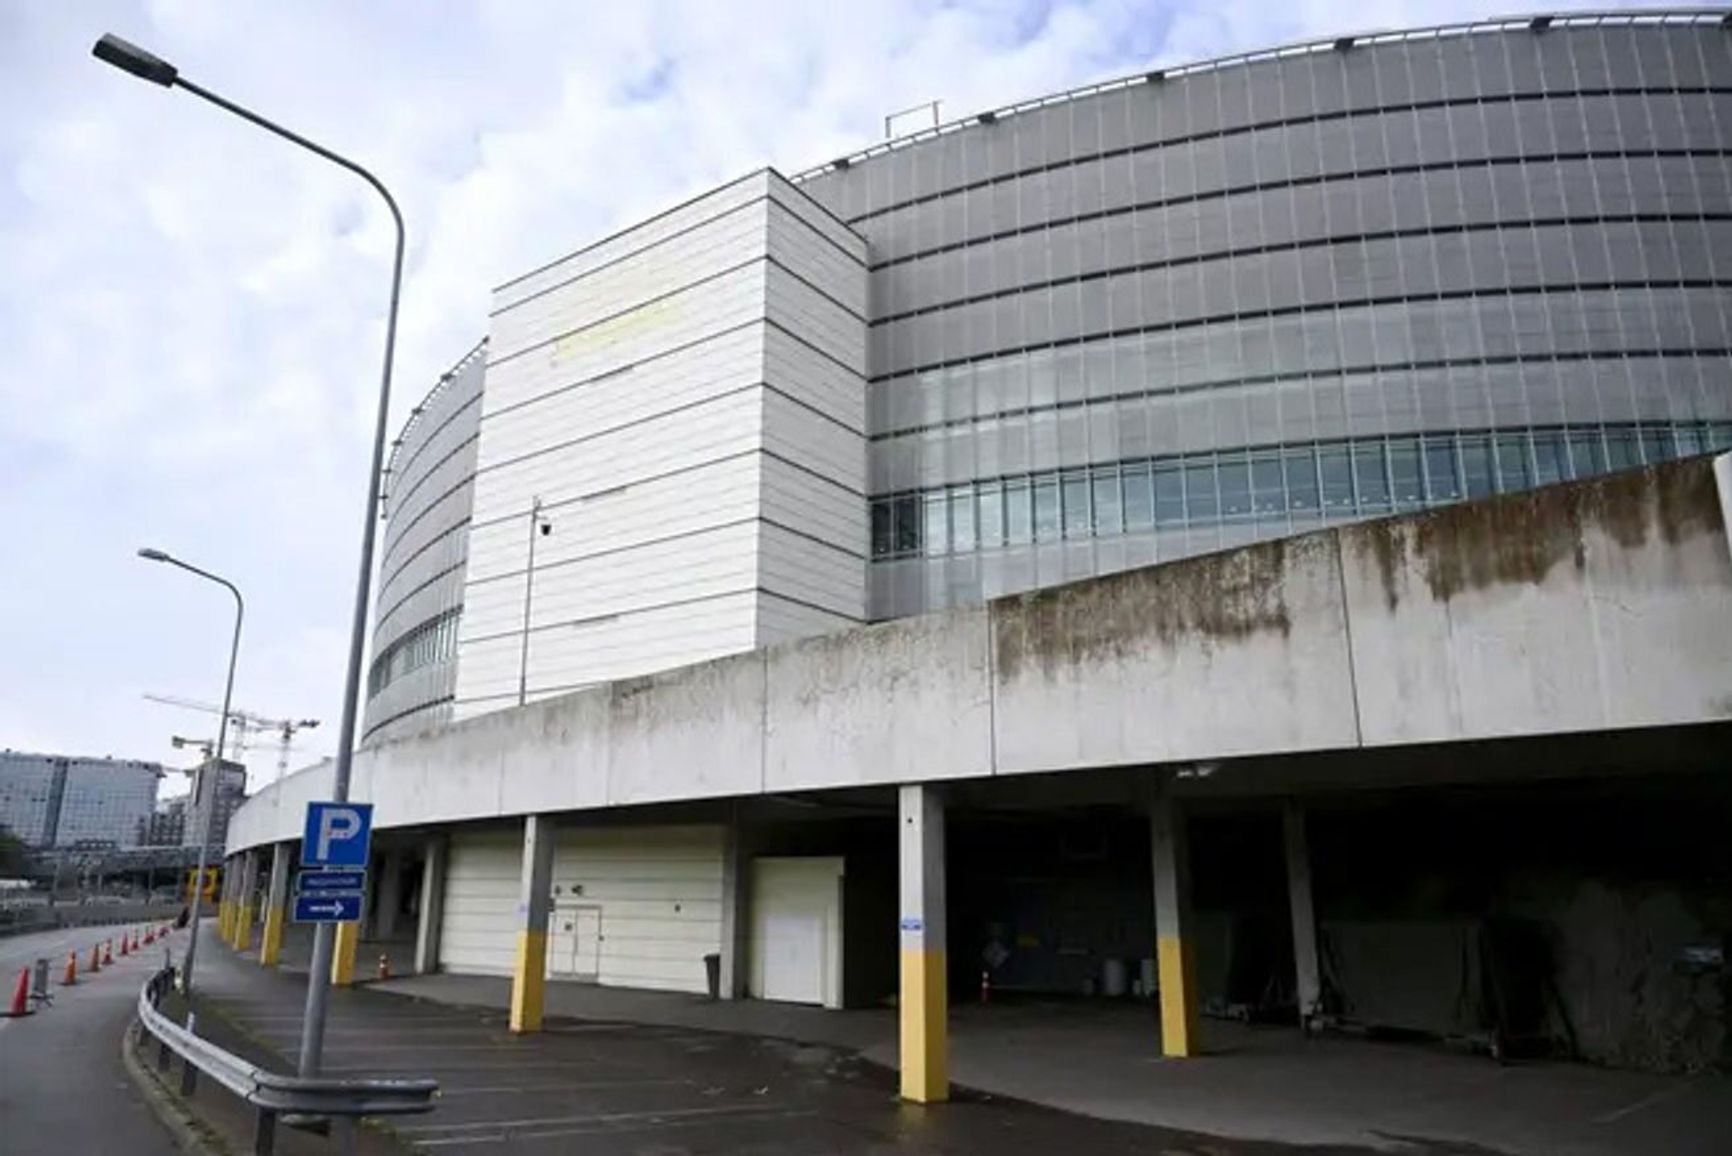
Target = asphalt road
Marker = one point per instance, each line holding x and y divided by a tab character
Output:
63	1088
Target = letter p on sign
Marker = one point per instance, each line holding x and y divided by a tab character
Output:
337	834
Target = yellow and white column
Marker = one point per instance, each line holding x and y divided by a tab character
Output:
225	899
534	900
344	946
1173	951
923	1000
244	911
276	907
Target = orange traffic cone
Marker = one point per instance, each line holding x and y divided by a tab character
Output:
149	936
21	995
124	950
71	975
95	964
108	953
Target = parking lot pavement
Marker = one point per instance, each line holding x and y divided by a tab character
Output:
618	1088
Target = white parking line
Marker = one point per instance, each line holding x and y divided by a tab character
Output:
609	1130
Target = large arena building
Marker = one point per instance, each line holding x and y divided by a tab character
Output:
1088	456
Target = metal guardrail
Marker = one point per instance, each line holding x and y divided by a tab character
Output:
273	1095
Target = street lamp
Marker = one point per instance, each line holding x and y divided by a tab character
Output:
130	58
151	555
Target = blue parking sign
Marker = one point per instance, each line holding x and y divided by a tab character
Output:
337	834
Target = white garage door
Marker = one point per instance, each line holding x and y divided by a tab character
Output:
632	906
797	930
643	904
478	935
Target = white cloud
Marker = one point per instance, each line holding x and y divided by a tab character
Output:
192	311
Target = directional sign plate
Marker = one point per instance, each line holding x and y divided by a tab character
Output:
308	882
336	834
344	907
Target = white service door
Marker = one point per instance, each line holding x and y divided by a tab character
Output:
793	946
797	930
574	946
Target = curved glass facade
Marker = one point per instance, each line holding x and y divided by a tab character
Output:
1244	299
429	500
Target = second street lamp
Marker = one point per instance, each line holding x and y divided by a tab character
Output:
212	776
134	60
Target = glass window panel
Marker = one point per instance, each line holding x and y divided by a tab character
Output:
1017	513
1441	482
1656	445
1371	474
1235	482
1719	435
935	535
883	539
1689	440
1076	505
1337	471
1046	518
1267	490
1587	455
1139	498
962	518
1108	512
907	525
1476	469
1301	468
1549	460
1405	482
1200	501
1169	496
1512	463
991	516
1621	451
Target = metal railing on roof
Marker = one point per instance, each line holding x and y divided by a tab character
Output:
440	386
273	1095
1537	22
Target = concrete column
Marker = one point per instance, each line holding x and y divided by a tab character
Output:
432	907
1173	949
244	907
228	889
736	885
924	1002
347	941
276	907
1308	984
534	904
390	896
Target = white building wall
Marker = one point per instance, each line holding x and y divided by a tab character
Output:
687	402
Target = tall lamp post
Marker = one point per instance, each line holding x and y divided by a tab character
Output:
130	58
215	765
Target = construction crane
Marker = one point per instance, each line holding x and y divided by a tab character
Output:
245	721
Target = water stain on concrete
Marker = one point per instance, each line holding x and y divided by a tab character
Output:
1216	598
1518	539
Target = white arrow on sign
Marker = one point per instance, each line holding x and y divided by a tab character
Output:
325	908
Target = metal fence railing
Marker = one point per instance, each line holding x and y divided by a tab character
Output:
272	1095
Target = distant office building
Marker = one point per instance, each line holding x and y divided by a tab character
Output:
168	823
230	789
62	800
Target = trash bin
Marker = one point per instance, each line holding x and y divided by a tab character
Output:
713	973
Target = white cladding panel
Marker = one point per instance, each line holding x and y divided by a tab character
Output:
658	229
478	932
660	894
626	390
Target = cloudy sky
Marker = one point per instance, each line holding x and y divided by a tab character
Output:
191	311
